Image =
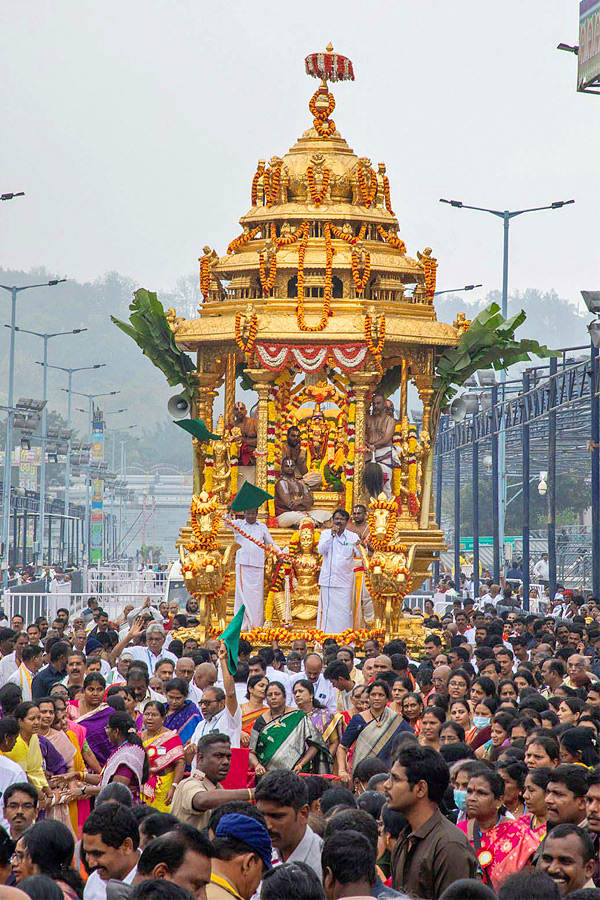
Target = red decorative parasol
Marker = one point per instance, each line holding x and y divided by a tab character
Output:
329	66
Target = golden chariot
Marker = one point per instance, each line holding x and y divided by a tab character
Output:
316	304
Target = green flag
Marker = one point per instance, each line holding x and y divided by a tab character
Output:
231	639
197	429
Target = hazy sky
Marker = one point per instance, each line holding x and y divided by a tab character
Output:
134	128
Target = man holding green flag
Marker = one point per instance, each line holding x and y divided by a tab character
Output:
250	534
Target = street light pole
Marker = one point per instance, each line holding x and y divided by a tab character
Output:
42	507
14	292
506	215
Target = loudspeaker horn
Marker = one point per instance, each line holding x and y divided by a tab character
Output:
178	406
462	406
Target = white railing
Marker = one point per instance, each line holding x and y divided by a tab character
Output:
113	582
30	605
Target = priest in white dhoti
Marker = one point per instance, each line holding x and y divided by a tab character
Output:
338	548
250	558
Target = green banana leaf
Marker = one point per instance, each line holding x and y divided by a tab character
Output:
149	328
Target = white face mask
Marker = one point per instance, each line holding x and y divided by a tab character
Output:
481	721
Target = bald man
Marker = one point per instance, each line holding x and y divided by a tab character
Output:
185	669
205	675
381	664
440	679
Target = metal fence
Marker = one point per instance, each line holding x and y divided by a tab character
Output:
32	605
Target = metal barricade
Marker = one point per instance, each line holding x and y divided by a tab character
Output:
33	605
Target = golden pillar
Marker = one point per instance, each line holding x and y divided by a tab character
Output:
262	379
362	382
208	384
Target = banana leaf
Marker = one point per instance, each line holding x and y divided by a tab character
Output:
149	328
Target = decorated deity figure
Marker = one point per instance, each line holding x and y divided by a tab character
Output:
221	453
298	601
388	571
206	569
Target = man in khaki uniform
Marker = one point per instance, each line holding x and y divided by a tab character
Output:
242	855
196	797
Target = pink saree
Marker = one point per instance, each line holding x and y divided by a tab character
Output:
510	844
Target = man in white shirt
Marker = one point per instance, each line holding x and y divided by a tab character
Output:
110	842
205	675
337	546
11	662
10	772
221	711
153	652
250	569
24	675
325	692
541	570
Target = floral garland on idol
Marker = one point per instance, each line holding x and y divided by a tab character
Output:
272	180
260	171
430	267
375	349
234	461
386	195
349	238
208	469
267	282
351	436
204	276
356	636
317	197
248	346
368	193
285	241
361	282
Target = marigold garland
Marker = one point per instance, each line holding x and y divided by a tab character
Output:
376	350
240	241
248	346
272	181
267	282
317	197
289	239
356	636
349	238
386	195
324	126
271	438
260	171
361	283
368	194
430	267
204	276
390	238
326	311
351	435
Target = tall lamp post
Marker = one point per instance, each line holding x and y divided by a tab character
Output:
506	215
70	372
90	398
46	339
14	292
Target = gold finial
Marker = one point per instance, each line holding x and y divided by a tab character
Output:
329	47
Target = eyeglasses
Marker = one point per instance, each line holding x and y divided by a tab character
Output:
13	805
17	857
208	702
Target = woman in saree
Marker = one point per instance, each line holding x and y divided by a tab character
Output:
182	715
372	732
460	712
412	711
78	803
26	751
534	796
128	761
283	738
165	758
254	707
59	809
94	714
400	688
502	846
328	724
431	725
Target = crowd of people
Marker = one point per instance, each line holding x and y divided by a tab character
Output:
135	764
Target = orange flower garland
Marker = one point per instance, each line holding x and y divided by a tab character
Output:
272	180
376	350
300	232
390	238
324	126
368	194
317	197
204	277
361	283
247	347
349	238
326	311
260	171
386	195
357	636
240	241
430	267
267	282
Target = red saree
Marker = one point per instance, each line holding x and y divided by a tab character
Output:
510	844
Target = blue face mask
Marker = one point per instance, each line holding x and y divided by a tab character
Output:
460	799
481	721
